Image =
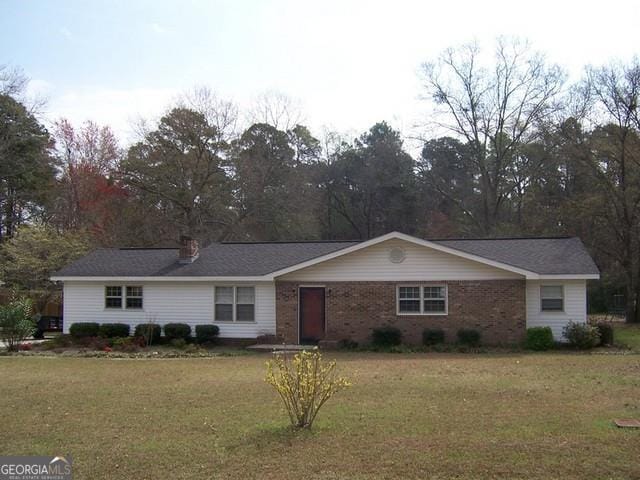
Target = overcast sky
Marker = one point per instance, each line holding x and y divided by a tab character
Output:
350	63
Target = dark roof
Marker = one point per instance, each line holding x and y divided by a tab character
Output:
545	256
218	259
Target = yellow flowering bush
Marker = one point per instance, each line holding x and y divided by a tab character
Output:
304	382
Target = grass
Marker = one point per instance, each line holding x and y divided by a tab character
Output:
627	335
406	416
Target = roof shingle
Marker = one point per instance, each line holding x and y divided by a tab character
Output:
545	256
218	259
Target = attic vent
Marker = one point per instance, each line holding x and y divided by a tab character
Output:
397	255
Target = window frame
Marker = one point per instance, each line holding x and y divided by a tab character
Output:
561	310
421	286
106	297
418	299
123	297
126	297
234	304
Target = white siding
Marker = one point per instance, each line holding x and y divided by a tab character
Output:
188	302
421	264
575	305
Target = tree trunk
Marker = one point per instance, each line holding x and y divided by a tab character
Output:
632	310
9	215
631	307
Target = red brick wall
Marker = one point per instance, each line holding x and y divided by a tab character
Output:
494	307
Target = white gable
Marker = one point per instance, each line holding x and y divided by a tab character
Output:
375	263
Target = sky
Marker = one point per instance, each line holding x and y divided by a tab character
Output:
349	63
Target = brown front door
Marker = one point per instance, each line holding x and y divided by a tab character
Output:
311	314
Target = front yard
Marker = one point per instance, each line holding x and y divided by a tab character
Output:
627	335
406	416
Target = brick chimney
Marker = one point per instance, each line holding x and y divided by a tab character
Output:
188	250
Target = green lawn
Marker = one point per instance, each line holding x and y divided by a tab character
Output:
627	335
406	416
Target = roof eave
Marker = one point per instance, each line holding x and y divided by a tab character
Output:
264	278
115	278
569	276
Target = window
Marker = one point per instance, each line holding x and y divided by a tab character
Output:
113	297
422	300
134	297
245	304
224	304
435	299
409	299
235	304
551	298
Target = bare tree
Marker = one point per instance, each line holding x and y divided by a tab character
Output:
276	109
87	156
222	114
613	94
91	146
495	109
13	81
333	143
614	162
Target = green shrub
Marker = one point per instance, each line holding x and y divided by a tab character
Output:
207	333
84	329
469	337
113	330
150	332
177	330
386	336
539	338
606	333
432	336
16	322
581	335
